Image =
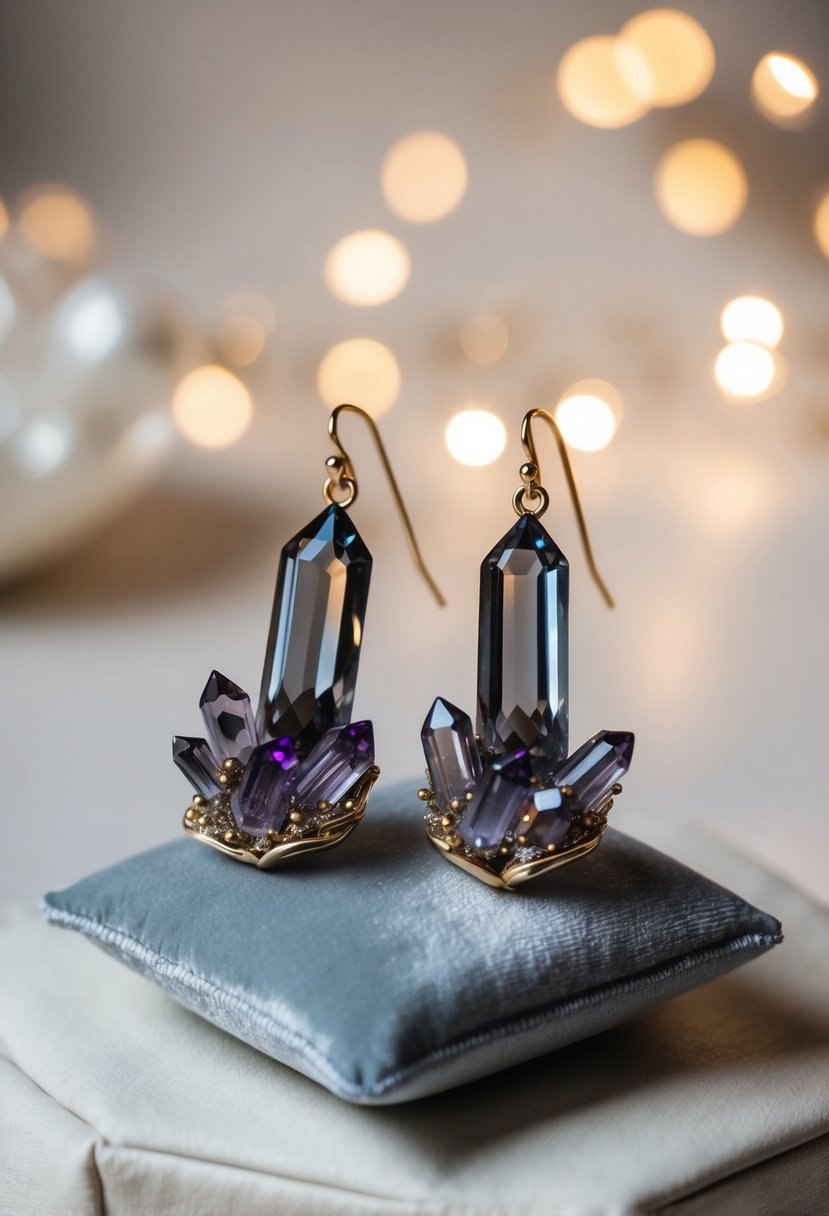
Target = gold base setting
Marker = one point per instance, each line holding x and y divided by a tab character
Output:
513	864
307	829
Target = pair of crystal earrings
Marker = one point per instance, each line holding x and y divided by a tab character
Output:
506	804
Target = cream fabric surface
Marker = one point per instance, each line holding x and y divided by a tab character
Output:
114	1099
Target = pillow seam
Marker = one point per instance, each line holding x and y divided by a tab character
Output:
100	931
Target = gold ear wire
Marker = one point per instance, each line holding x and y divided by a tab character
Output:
532	499
341	477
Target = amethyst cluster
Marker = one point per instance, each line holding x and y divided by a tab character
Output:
511	792
301	753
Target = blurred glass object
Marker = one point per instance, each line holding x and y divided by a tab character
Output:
424	177
212	408
588	414
368	268
783	88
476	437
701	187
361	371
748	371
821	224
57	223
752	318
594	86
484	338
674	59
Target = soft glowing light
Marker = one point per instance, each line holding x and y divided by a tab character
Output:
674	59
592	86
588	414
4	219
362	371
95	328
476	437
368	267
57	223
752	318
211	407
424	177
783	87
736	492
701	187
240	339
821	225
484	338
745	371
43	446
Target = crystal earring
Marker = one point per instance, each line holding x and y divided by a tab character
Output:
509	803
296	778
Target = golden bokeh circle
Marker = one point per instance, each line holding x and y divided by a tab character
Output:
593	86
362	371
475	437
424	177
677	54
211	407
782	87
57	223
368	268
701	187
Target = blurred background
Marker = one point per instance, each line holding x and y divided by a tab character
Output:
221	219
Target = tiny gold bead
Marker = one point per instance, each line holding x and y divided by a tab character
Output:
223	779
616	788
198	800
296	816
504	851
551	848
521	839
272	834
424	795
525	818
349	806
322	805
454	839
202	821
469	795
229	764
588	821
191	813
231	837
448	820
455	804
566	790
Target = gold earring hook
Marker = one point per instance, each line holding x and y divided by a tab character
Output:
341	477
531	491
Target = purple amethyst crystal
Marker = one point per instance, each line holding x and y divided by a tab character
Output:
595	766
261	802
451	751
547	820
342	756
500	796
198	764
228	718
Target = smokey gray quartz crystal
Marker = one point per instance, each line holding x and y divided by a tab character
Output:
523	645
451	750
316	630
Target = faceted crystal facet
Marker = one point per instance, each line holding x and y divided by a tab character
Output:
547	820
260	802
522	644
501	795
593	768
316	629
197	762
228	718
451	751
341	757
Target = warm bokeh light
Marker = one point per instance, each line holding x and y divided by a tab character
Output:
57	223
588	414
240	339
368	268
4	219
752	318
476	437
701	187
821	224
43	445
745	371
783	87
362	371
592	85
424	177
484	338
674	59
211	407
736	492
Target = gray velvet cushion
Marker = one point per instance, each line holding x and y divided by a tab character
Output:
385	974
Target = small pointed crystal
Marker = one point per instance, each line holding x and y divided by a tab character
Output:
260	802
451	750
595	766
228	718
547	820
501	795
522	647
316	630
342	756
199	765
